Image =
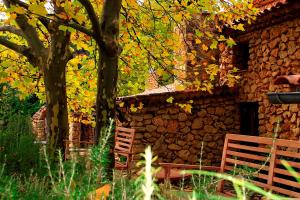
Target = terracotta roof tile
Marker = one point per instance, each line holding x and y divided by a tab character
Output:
268	4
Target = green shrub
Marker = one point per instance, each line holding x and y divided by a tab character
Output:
18	148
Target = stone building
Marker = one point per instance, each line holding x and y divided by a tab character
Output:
268	48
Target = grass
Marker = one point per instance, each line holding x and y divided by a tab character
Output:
26	173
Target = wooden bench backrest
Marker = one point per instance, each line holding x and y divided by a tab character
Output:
261	156
124	139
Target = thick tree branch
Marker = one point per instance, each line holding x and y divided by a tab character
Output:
21	49
22	4
94	19
12	29
78	27
30	33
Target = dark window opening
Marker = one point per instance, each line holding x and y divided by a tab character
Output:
249	118
241	56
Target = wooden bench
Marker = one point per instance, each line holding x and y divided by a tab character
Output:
260	156
124	138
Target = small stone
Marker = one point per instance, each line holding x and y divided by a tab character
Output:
172	126
202	113
293	118
284	38
207	138
190	137
274	43
147	121
185	130
150	128
173	110
182	117
161	129
166	116
181	143
283	54
183	154
211	110
274	52
174	147
297	54
228	121
292	47
158	121
212	145
197	123
294	108
210	129
148	116
220	111
265	35
138	118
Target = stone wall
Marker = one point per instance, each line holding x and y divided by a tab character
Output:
177	136
274	51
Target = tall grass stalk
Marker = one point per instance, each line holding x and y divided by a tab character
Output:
238	182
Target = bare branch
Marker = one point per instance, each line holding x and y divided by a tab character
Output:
12	29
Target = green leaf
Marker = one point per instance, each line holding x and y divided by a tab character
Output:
170	99
214	44
38	9
230	42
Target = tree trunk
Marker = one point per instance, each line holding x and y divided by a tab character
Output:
108	72
56	97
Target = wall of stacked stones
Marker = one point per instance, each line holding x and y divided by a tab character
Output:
177	136
274	51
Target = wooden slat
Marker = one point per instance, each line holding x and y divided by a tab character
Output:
123	140
123	129
286	182
288	154
245	138
121	149
258	175
288	143
249	164
285	191
123	144
127	135
244	147
283	172
291	163
246	155
260	184
220	186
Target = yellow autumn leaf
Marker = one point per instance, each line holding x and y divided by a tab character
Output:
132	108
20	10
121	104
170	99
204	47
140	105
198	41
188	108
